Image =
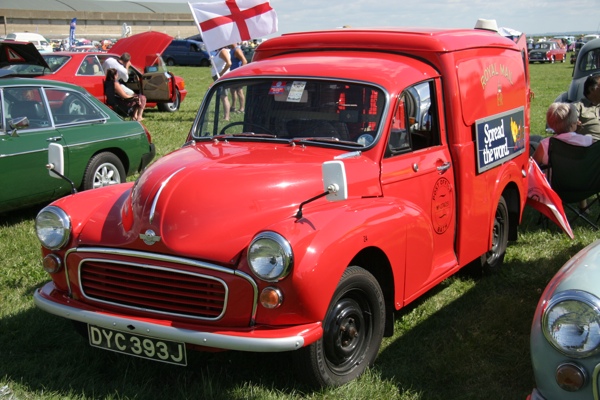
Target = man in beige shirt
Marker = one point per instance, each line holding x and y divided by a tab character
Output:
588	108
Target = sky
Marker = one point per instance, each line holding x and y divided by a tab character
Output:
533	17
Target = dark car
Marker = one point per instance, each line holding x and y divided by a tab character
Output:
186	52
586	64
576	48
547	52
99	148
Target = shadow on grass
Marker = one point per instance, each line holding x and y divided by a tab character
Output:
15	217
449	344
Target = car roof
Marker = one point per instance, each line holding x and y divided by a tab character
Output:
18	81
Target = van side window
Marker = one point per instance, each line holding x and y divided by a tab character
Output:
415	123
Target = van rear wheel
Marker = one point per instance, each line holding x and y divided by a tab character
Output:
492	260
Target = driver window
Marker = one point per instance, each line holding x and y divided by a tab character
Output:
25	108
414	126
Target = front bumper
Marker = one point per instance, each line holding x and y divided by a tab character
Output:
258	339
535	395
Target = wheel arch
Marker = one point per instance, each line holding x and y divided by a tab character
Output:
120	153
375	261
512	197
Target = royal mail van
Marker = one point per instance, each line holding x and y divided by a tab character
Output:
41	43
368	166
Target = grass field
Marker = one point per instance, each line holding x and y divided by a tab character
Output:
468	338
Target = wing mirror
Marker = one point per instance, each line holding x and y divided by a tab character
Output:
334	183
56	164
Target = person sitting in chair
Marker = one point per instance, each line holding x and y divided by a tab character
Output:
130	105
562	119
589	108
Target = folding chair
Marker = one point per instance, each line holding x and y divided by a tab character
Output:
113	102
574	173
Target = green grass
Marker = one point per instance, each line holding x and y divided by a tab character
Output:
468	338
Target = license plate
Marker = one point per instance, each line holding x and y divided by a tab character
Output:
136	345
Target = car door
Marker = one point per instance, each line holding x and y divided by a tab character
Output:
27	131
417	171
156	86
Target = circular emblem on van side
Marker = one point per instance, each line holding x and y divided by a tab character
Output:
442	205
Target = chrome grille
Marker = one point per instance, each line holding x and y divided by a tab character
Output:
154	289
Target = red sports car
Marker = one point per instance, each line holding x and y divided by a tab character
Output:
148	74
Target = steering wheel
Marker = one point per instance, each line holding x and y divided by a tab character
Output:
320	129
262	128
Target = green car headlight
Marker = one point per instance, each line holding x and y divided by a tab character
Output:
571	323
270	256
53	227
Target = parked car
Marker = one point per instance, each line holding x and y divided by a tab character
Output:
40	42
565	334
148	75
576	48
587	63
548	51
100	148
345	191
186	52
590	37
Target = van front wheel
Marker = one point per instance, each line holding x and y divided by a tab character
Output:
352	332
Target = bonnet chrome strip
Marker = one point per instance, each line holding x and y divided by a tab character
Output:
162	186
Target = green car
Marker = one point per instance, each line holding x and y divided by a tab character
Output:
99	148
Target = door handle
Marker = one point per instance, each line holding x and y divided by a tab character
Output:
444	167
54	139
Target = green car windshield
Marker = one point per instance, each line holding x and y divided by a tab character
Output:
344	113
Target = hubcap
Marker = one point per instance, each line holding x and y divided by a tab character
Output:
345	337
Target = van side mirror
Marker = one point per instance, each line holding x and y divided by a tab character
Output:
334	180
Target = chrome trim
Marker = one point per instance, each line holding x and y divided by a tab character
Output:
595	382
576	295
167	258
207	339
285	246
65	222
150	309
578	367
162	186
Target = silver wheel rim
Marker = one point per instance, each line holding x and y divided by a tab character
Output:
106	174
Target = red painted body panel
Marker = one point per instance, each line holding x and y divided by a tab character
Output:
414	218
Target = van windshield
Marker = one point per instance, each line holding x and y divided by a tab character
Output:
337	112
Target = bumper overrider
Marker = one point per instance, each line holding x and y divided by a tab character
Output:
257	339
147	157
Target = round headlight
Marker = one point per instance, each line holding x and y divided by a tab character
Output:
571	323
53	227
270	256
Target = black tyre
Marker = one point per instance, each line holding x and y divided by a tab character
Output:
103	169
492	260
352	332
170	62
205	62
171	107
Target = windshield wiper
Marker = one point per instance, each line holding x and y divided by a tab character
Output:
327	140
243	135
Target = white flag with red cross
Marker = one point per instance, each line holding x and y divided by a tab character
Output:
231	21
